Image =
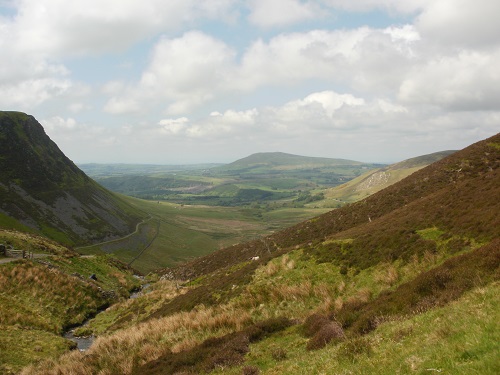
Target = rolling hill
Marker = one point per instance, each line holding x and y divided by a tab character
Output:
262	177
42	191
269	161
380	178
406	280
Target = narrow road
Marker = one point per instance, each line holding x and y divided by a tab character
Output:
35	256
117	239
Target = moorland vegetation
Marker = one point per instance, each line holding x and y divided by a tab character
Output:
403	281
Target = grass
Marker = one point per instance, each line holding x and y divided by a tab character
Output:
178	233
289	286
20	347
31	242
461	338
41	298
378	280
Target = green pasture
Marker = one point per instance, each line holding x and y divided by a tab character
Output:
175	233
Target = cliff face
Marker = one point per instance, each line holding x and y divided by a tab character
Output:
43	191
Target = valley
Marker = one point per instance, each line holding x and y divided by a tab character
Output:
175	233
178	232
401	277
265	179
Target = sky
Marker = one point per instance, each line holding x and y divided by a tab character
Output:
190	81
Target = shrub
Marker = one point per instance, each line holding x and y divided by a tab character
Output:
313	324
273	325
326	334
430	289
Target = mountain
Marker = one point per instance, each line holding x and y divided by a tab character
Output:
42	191
279	161
404	281
380	178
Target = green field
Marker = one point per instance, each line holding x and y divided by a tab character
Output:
176	233
259	178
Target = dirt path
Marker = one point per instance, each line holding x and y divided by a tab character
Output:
117	239
35	256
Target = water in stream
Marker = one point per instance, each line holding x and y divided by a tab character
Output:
84	342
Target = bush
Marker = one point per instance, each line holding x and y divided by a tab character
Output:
313	324
228	350
430	289
326	334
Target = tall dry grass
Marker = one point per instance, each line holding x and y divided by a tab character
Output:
36	297
144	342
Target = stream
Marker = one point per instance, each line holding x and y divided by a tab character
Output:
84	342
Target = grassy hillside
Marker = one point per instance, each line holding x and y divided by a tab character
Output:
377	179
42	297
42	191
404	281
268	161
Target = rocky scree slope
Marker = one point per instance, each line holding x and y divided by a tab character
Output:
41	190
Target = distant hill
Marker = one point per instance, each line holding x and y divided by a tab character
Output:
42	191
269	161
263	177
378	179
97	170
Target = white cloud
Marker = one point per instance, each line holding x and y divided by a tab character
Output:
327	101
322	123
360	58
467	81
435	75
41	34
184	72
188	72
399	6
173	126
62	28
215	126
276	13
58	124
463	23
30	93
